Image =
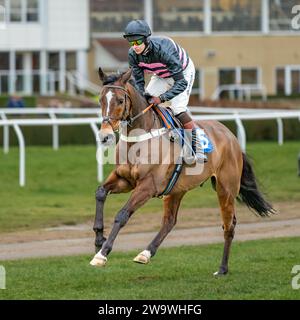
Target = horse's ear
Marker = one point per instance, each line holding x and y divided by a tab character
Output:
102	75
126	76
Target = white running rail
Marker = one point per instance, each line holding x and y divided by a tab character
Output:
93	122
18	123
52	113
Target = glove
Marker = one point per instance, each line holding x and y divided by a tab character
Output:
155	100
147	96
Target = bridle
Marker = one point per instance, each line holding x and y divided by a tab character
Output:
108	119
129	122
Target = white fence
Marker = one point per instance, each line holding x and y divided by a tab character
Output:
242	91
237	115
52	113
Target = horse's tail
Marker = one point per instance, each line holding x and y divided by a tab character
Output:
249	192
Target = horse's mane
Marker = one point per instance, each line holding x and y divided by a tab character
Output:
111	78
116	76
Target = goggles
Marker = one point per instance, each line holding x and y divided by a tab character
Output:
136	42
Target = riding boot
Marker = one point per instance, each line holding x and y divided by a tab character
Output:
193	135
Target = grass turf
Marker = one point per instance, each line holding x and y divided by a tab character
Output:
61	185
258	270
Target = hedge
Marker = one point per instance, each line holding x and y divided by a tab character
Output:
82	134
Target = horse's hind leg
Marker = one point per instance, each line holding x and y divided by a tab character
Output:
113	184
227	192
171	206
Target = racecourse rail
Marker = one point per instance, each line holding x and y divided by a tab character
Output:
221	114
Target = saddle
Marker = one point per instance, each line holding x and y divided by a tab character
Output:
167	117
170	121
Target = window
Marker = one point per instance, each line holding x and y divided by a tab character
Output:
295	75
288	80
15	10
249	76
4	61
178	15
19	61
239	78
113	16
227	76
36	73
35	61
32	12
24	10
235	15
281	14
2	14
4	66
71	61
280	80
53	61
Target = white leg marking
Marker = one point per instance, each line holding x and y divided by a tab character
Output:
143	257
99	260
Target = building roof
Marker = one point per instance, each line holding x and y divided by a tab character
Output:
116	47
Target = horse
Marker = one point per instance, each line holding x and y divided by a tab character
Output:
230	171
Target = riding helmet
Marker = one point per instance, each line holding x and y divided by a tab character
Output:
137	29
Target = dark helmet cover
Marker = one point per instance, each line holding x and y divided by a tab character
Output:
136	29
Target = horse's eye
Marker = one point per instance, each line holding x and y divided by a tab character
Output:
121	101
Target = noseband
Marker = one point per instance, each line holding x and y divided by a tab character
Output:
108	119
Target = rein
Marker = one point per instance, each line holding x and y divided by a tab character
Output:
107	118
131	120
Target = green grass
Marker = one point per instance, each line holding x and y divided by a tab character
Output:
60	185
258	270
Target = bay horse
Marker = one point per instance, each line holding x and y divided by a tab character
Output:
228	168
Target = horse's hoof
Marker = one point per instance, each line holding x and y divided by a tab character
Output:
220	273
143	257
99	260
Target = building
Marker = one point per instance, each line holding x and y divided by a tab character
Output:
40	42
250	44
47	46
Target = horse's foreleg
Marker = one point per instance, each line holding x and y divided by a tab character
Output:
141	194
171	206
113	184
227	206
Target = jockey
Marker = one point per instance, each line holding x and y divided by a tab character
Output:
173	75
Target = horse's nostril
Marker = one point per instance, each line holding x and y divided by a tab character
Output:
107	139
